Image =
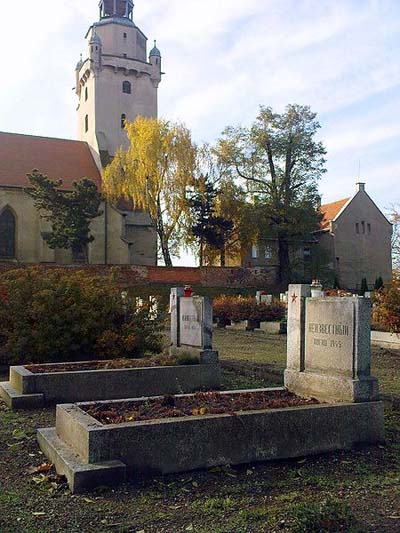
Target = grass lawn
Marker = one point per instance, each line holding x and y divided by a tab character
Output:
356	491
259	347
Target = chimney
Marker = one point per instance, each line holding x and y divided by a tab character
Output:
361	186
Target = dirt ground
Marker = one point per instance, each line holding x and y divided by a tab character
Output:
347	491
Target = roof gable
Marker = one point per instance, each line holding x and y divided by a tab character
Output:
56	158
331	211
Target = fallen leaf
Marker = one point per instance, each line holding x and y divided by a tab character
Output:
41	469
195	484
19	434
190	528
203	411
39	514
88	500
249	472
302	462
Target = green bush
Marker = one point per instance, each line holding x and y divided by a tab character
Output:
57	315
237	309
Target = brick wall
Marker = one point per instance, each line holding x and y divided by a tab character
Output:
204	277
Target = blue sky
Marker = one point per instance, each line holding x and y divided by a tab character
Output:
222	59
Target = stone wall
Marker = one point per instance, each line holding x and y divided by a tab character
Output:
203	277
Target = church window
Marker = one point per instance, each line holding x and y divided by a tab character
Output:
125	35
125	55
369	229
127	87
7	234
86	123
123	121
86	94
357	227
363	226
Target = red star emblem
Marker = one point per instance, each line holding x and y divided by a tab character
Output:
294	298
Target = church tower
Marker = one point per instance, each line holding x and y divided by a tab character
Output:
117	82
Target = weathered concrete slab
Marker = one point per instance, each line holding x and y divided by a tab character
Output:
28	389
329	348
386	340
80	476
15	400
273	328
192	443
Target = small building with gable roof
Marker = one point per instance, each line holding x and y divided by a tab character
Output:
358	238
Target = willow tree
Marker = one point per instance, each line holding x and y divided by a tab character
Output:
281	161
154	173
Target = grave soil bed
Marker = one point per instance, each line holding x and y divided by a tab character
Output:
200	404
116	364
30	387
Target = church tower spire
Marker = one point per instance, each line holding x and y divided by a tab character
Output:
118	81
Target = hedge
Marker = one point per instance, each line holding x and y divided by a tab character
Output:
58	315
237	309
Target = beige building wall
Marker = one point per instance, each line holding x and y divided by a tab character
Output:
120	239
117	53
359	242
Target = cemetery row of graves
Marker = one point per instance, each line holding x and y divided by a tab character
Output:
138	408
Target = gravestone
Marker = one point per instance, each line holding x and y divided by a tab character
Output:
263	298
191	326
329	347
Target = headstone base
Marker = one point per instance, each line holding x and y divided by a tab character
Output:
332	388
206	357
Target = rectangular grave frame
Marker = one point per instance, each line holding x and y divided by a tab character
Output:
27	390
91	454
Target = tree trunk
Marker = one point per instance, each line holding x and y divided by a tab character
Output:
223	256
284	260
201	253
166	255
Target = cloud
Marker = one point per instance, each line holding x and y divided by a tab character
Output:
222	59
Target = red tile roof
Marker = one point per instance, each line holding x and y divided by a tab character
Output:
56	158
330	211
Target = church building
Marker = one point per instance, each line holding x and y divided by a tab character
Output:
115	83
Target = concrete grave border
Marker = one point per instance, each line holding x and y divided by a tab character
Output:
90	454
27	390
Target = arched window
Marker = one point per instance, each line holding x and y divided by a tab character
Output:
123	121
127	87
7	234
86	123
86	94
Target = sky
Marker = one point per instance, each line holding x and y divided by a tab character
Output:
223	59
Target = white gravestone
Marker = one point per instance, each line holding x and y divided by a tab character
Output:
329	348
191	326
263	298
191	320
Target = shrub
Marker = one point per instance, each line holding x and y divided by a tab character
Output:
386	310
379	284
236	308
58	315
